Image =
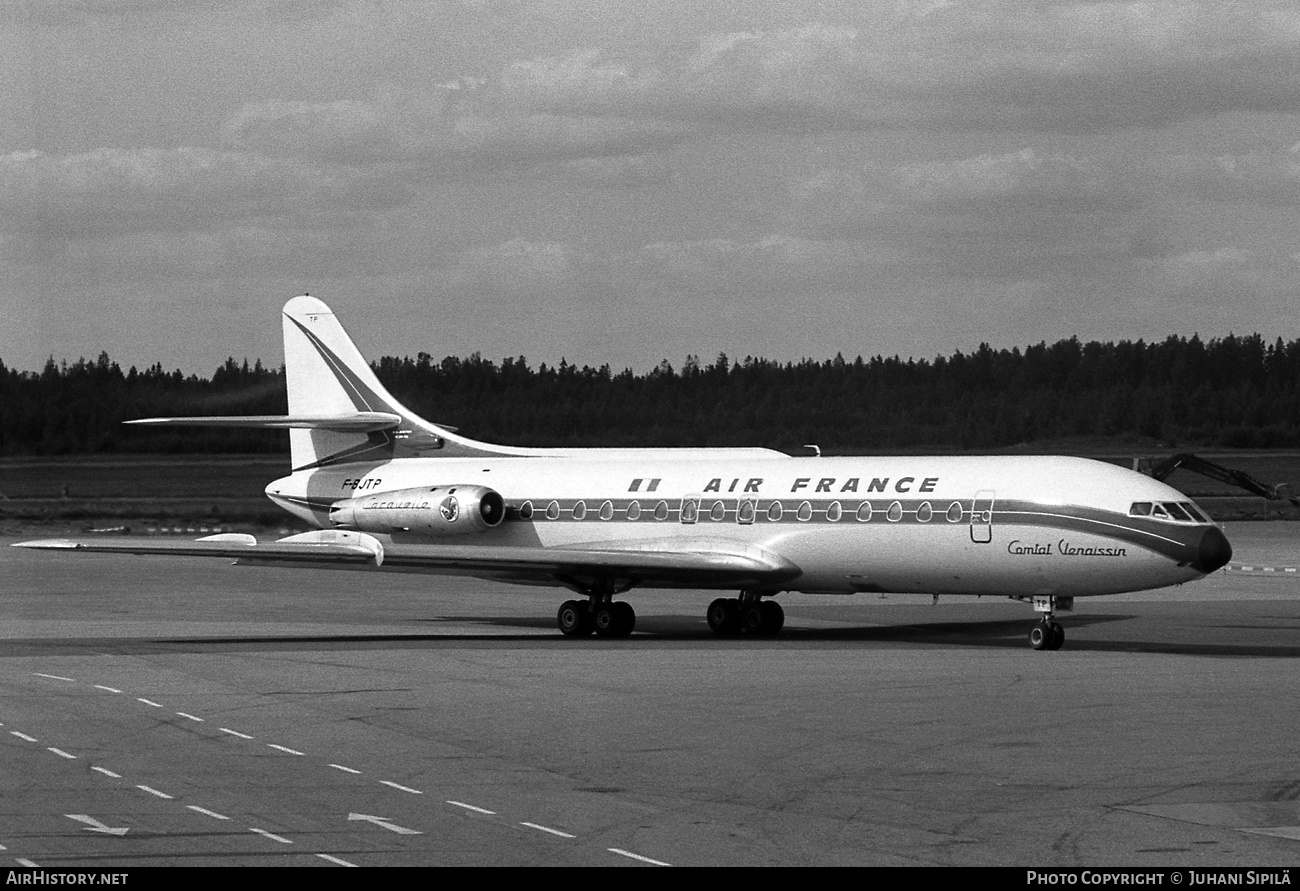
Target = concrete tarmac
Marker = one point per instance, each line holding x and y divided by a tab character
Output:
237	716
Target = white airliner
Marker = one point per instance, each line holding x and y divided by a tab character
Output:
388	490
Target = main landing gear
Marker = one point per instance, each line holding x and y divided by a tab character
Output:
601	614
609	618
749	612
1048	634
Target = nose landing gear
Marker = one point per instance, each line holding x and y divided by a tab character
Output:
1048	634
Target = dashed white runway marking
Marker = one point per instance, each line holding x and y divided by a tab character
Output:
30	864
93	825
385	823
284	749
281	839
206	812
271	835
548	829
623	853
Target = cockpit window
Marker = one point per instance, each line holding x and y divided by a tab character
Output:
1179	512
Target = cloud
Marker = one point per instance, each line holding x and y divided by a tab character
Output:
1075	67
110	191
1266	177
438	131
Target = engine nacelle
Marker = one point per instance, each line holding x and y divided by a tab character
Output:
436	510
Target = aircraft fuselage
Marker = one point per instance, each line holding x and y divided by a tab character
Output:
1010	526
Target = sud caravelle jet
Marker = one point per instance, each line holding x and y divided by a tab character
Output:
388	490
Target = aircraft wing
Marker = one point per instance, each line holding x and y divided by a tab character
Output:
701	563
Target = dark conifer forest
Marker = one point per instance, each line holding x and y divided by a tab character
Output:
1235	392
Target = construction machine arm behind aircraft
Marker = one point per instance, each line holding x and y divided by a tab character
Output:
1161	471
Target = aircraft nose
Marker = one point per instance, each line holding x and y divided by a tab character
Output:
1213	552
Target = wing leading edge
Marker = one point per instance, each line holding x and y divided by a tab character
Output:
677	564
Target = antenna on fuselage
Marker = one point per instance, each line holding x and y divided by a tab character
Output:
817	450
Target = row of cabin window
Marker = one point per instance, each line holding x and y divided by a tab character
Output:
746	512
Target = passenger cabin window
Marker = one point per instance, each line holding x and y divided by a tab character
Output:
834	512
924	512
717	512
580	510
689	510
954	512
607	510
864	512
895	512
526	510
553	510
634	510
774	512
745	513
661	510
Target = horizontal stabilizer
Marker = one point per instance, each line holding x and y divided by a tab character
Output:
359	422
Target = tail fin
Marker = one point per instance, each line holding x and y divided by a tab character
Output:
339	412
327	376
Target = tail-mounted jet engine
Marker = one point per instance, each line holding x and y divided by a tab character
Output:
440	510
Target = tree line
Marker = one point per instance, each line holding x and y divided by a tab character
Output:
1233	392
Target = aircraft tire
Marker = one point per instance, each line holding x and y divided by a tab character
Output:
1041	637
773	618
764	618
604	620
624	618
614	619
724	615
1058	636
574	619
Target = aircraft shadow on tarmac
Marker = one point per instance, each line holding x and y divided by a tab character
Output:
651	630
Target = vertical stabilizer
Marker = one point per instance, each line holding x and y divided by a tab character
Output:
327	376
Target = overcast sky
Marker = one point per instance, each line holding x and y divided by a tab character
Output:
624	182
